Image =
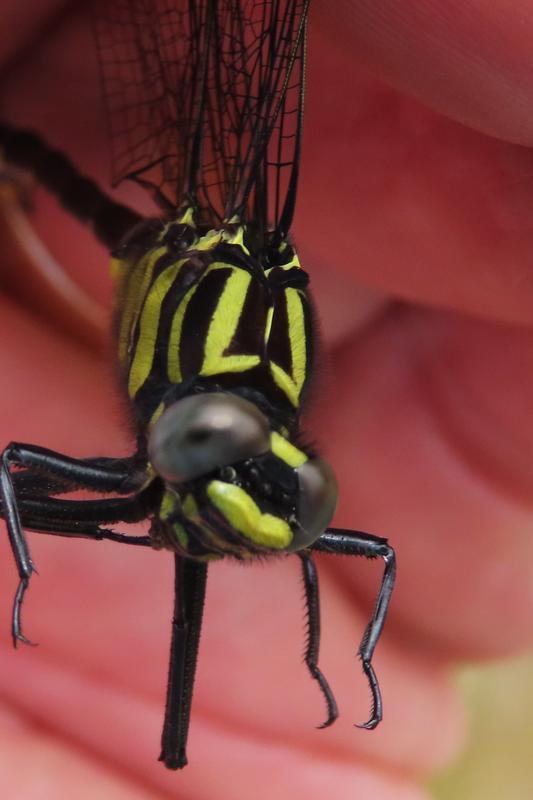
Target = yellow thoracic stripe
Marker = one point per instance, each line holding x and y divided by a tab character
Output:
137	279
268	324
292	384
174	341
223	325
157	413
142	361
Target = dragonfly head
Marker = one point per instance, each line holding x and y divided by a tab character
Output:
242	483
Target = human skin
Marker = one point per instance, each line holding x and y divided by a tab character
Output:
414	222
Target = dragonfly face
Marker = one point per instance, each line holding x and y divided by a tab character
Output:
234	486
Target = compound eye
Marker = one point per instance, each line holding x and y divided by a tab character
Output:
317	501
198	434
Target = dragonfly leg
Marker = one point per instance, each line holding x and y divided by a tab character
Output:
81	530
51	472
78	515
312	600
71	474
72	518
353	543
19	547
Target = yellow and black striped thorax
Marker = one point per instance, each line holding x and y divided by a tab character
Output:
201	310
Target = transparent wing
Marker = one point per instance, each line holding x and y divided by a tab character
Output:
204	101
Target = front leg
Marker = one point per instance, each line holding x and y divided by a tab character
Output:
48	472
74	519
353	543
19	547
97	474
313	635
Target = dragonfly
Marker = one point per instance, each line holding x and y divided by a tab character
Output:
213	325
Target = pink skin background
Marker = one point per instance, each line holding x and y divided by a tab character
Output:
415	220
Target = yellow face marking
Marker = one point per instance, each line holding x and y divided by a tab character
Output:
224	324
137	285
286	451
190	510
292	384
141	364
169	505
245	517
190	507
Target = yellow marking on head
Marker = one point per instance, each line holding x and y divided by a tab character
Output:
169	506
292	384
190	507
286	451
223	325
245	517
179	531
190	510
143	357
137	279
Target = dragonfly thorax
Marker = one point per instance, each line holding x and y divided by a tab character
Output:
195	307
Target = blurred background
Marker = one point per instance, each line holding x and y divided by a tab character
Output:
498	758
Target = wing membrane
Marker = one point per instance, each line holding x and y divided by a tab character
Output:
204	101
